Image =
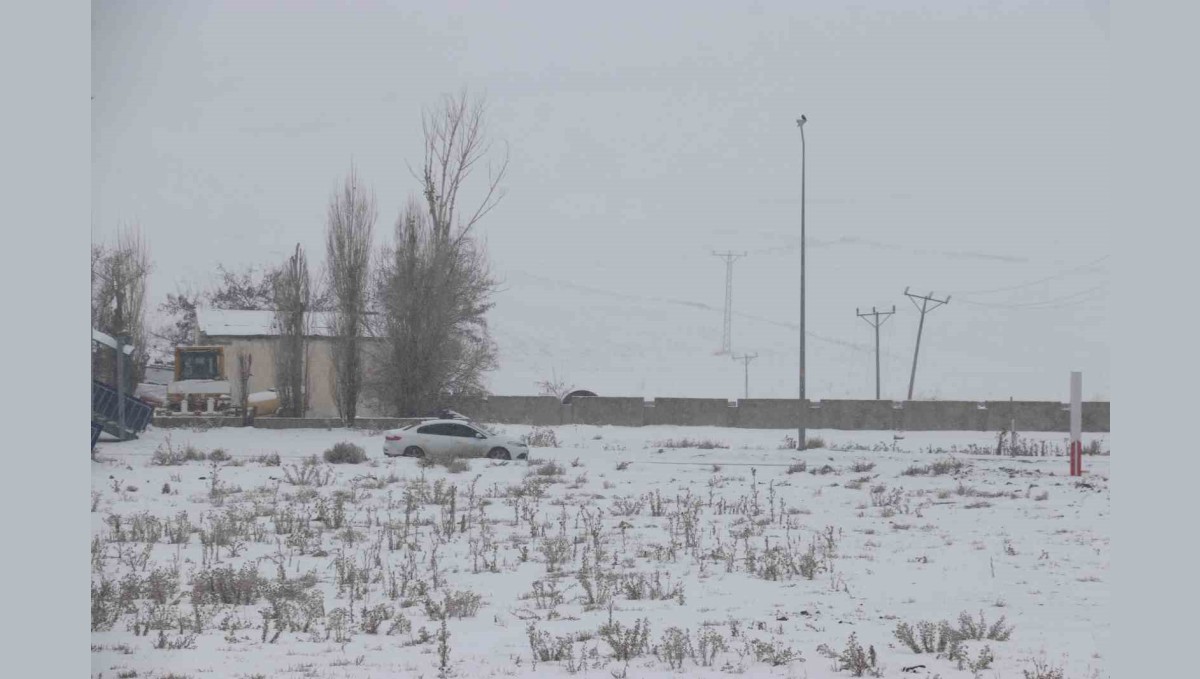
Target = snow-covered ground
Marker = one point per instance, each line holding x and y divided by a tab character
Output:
768	569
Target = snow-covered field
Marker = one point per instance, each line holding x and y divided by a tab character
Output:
731	560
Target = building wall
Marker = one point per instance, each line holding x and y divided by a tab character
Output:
319	385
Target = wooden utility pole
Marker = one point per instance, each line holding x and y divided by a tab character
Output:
875	322
745	359
1076	422
244	361
924	308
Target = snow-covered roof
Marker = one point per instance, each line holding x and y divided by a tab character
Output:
238	323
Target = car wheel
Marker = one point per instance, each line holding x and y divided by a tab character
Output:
499	454
414	451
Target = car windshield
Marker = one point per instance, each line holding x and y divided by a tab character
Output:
485	429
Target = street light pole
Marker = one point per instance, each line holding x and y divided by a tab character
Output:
801	441
121	387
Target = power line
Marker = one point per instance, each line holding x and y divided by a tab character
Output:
847	344
1032	283
1045	303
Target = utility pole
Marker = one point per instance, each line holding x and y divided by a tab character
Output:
121	434
802	440
746	358
730	258
924	308
119	291
876	322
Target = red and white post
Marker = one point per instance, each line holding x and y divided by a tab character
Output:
1076	424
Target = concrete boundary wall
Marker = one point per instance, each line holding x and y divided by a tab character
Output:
768	413
1095	416
691	412
855	415
192	421
202	422
370	423
942	416
531	410
607	410
848	415
1032	416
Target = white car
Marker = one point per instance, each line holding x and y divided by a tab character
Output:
452	438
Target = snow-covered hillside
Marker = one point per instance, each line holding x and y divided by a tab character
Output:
652	344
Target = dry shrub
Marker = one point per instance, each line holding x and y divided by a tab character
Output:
935	468
345	453
540	437
227	586
858	661
702	444
549	468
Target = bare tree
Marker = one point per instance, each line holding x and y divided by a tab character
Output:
455	143
247	289
119	276
555	386
351	220
181	308
292	293
433	296
434	284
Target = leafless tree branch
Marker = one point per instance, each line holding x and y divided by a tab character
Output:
119	275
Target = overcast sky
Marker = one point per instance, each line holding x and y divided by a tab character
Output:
956	147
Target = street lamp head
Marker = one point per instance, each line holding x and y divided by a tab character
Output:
801	120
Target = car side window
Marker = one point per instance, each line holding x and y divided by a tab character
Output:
461	430
434	429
